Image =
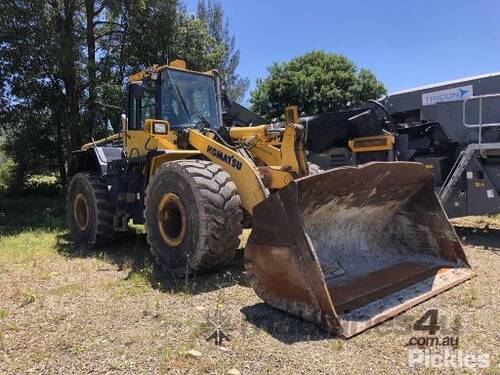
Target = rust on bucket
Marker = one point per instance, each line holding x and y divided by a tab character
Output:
354	246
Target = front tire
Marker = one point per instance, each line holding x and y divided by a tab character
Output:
192	216
89	211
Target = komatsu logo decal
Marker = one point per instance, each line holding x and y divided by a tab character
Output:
228	159
452	95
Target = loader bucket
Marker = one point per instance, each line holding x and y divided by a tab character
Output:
354	246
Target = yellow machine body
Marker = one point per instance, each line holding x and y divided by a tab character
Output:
347	248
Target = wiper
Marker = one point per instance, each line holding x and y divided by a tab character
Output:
185	107
179	95
204	120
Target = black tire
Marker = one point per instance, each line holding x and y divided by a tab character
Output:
192	217
89	211
313	169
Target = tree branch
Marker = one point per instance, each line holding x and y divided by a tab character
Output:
97	23
109	33
100	9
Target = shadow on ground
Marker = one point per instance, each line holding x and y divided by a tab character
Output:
131	252
282	326
487	237
18	215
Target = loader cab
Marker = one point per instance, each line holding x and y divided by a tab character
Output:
186	99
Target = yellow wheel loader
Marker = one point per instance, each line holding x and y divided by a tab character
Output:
347	248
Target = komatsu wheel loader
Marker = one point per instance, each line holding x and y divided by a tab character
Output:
347	248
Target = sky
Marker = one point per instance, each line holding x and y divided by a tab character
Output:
405	43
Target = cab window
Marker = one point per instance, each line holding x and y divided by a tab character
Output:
143	108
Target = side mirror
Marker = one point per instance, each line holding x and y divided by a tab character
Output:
137	89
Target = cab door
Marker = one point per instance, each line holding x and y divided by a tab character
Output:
143	99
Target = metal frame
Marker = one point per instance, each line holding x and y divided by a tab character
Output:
480	124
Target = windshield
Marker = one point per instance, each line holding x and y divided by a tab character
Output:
187	98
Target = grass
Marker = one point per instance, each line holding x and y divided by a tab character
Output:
31	213
137	320
27	247
138	281
470	297
68	289
29	228
336	345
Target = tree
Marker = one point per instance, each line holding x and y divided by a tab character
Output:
60	58
40	59
316	82
212	14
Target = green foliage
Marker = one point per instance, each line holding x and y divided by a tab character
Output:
28	298
6	174
45	214
157	31
212	14
6	169
317	82
59	59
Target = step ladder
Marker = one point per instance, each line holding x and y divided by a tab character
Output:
459	167
456	172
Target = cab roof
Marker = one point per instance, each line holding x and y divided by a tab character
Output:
175	65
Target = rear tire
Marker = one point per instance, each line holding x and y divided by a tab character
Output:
89	211
192	216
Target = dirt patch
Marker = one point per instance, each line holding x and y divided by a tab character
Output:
66	311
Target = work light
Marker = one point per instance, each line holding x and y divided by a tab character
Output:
159	128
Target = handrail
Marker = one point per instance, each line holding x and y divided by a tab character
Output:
480	124
101	141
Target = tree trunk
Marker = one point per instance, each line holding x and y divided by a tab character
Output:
91	62
69	70
61	160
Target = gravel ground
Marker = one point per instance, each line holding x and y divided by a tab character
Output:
65	312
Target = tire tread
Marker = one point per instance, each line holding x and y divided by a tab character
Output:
220	214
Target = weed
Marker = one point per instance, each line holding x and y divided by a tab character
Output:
172	357
138	282
189	284
3	313
156	311
470	297
168	353
28	298
494	368
71	289
202	329
120	364
12	327
75	349
336	345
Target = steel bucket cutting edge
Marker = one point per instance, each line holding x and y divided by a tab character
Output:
354	246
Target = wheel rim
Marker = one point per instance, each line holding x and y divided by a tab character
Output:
81	212
172	219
